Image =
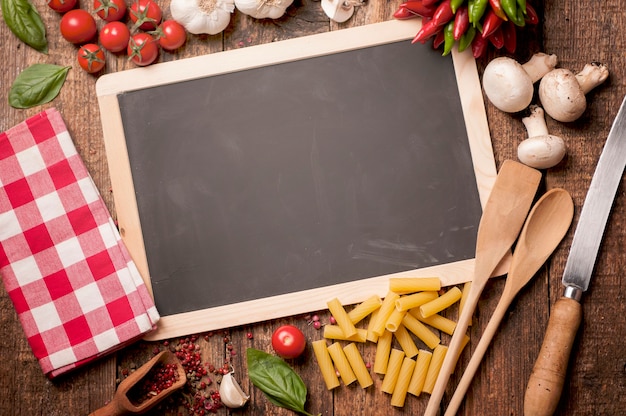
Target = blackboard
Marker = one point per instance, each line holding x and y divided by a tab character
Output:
280	184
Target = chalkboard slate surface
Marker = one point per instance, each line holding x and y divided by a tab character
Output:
298	175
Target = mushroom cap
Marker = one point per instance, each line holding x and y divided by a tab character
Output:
561	95
541	152
507	85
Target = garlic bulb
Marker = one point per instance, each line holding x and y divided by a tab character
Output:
231	393
261	9
202	16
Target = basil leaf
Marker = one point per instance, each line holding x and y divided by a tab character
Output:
25	22
37	84
281	385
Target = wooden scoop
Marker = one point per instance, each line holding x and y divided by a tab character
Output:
122	405
544	229
504	214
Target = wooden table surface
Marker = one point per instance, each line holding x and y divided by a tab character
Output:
576	31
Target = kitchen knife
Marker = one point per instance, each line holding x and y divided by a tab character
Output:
548	375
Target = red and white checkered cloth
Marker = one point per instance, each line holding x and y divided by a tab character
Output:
76	291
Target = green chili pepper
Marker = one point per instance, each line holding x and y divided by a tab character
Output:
448	36
467	38
470	9
522	6
515	14
455	4
478	11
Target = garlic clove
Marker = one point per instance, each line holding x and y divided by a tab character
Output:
231	393
338	10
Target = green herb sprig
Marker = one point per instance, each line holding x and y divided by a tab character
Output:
281	385
37	84
25	22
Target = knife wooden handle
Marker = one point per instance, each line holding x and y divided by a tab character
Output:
548	375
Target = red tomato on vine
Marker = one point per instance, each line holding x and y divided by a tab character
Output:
171	35
110	10
145	14
114	36
62	6
142	49
91	58
78	26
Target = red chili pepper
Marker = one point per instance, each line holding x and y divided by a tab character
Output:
418	7
430	2
443	14
479	46
439	39
427	31
461	22
403	13
496	6
491	23
497	38
531	15
509	32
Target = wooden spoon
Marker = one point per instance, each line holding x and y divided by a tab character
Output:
122	405
544	229
502	219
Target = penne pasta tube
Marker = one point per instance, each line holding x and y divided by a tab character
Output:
419	373
386	309
414	284
341	363
394	320
404	303
325	364
364	309
421	331
406	342
381	358
436	362
358	366
371	336
436	321
393	371
399	392
335	332
336	309
442	302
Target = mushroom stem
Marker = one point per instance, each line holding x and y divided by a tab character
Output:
591	76
539	65
535	123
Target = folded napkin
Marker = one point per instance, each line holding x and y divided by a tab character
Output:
76	291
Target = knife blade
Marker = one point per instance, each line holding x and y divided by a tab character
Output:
548	375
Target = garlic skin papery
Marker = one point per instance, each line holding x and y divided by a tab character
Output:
231	393
202	16
261	9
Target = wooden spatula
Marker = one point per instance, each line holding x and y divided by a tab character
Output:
502	219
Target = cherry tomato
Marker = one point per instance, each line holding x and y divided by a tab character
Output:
142	49
171	35
78	26
61	6
110	10
288	341
91	58
145	14
114	36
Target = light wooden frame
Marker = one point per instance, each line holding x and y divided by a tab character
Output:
111	85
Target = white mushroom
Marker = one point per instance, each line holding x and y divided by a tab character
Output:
541	150
509	85
339	10
562	93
